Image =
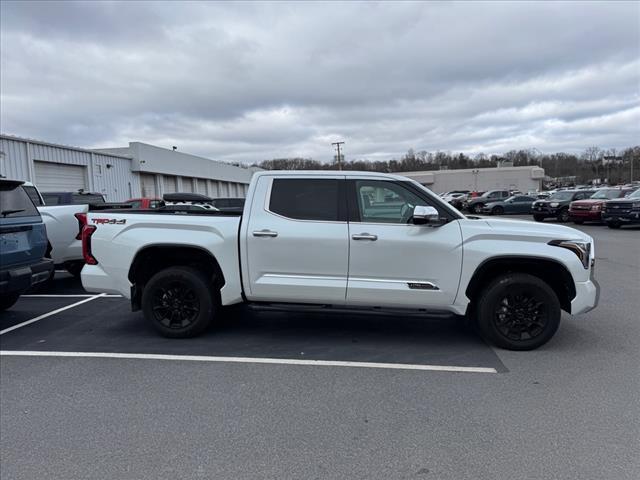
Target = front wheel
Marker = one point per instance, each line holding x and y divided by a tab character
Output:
538	218
578	222
8	301
477	208
518	311
563	215
179	302
497	211
615	225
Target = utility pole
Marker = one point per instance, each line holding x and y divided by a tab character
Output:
337	144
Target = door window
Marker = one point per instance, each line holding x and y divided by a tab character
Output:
380	201
305	198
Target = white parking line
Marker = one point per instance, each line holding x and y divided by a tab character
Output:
53	312
271	361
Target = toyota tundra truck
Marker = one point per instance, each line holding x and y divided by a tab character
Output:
342	241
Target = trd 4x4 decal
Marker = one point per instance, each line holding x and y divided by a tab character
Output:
109	221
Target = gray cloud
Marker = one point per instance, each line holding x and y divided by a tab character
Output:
250	81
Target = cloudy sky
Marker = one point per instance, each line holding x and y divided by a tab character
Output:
253	81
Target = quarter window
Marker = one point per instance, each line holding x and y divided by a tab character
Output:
380	201
305	198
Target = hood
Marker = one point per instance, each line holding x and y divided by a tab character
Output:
623	199
536	229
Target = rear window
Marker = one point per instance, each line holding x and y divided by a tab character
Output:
33	195
82	198
305	199
51	199
14	202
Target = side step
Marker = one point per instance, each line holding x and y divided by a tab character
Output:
322	308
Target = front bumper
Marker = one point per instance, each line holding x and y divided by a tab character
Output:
593	215
587	296
20	279
545	211
630	217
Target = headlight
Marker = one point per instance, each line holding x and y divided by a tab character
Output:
596	208
636	205
580	248
554	204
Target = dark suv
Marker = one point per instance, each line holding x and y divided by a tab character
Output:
557	205
622	211
475	205
23	244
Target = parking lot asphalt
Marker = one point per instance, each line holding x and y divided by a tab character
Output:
568	410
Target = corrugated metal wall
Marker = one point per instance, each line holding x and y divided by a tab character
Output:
106	174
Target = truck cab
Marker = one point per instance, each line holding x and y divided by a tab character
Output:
23	244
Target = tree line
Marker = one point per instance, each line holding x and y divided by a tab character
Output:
594	163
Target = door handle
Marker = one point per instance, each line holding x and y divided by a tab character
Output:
364	236
265	233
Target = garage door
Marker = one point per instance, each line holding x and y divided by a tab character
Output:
170	184
56	177
148	183
187	185
202	186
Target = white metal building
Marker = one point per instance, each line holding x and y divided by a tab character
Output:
118	173
480	179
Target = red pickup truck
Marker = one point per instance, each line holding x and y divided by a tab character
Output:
590	209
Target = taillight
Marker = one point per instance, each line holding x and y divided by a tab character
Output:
87	231
82	221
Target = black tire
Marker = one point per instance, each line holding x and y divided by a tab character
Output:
538	218
614	225
563	215
497	211
518	311
476	208
179	302
75	268
8	300
578	222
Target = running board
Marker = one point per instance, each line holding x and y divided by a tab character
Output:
322	308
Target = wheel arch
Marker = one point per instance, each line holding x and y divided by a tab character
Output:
152	258
554	273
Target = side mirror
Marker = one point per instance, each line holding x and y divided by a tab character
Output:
425	215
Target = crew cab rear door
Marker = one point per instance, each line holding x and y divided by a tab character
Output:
296	240
392	262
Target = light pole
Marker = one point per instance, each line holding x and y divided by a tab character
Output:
337	145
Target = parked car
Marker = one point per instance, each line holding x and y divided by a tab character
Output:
475	204
358	240
590	209
144	203
622	211
23	244
557	205
516	204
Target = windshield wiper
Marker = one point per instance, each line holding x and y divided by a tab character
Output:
4	213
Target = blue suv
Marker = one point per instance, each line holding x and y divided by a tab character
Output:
23	244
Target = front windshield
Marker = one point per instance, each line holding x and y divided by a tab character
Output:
635	194
606	194
561	196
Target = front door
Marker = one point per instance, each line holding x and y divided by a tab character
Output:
392	262
296	241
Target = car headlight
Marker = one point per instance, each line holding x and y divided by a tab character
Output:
554	204
580	248
635	205
596	208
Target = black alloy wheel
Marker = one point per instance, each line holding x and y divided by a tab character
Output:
518	311
179	302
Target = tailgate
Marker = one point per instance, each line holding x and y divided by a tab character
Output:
22	241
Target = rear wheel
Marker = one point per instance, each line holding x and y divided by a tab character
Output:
8	300
538	218
613	224
179	302
563	215
518	311
75	268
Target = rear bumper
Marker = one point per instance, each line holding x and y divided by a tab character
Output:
20	279
95	279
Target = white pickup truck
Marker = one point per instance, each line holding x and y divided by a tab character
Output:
343	240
